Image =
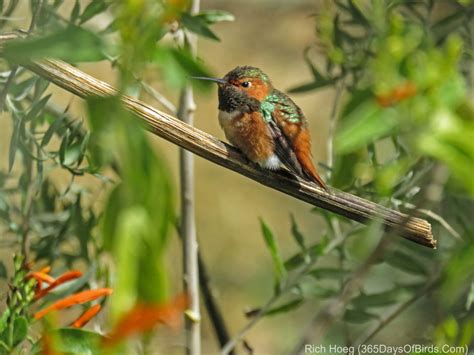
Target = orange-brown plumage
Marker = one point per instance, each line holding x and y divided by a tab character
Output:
249	133
264	123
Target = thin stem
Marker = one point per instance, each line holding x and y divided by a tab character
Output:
213	310
188	219
397	311
286	288
332	127
323	320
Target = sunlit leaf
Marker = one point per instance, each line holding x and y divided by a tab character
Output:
297	235
405	262
198	25
94	8
365	124
20	330
358	316
271	243
380	299
328	273
213	16
289	306
299	259
72	44
73	341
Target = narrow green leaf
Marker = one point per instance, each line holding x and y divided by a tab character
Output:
198	25
14	142
366	124
405	262
289	306
213	16
37	107
76	10
94	8
73	341
328	273
358	316
20	330
380	299
274	251
53	128
299	259
311	86
295	232
4	319
72	44
63	148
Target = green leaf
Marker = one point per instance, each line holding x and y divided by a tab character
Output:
358	316
198	25
213	16
311	86
289	306
4	319
295	232
177	65
470	297
278	264
405	262
14	142
366	124
72	44
53	128
75	12
380	299
37	107
299	259
20	330
73	341
94	8
328	273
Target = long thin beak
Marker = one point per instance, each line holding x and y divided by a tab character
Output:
216	80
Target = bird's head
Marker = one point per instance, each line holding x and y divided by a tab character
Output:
242	86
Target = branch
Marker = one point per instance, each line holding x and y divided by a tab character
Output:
185	113
214	150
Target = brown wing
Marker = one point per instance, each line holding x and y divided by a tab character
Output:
296	137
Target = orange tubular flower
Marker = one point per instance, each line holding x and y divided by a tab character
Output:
400	93
40	276
144	317
67	276
86	316
46	270
78	298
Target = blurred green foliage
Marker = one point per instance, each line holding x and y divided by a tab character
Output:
54	224
403	138
404	129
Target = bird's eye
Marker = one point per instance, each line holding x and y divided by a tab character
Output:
246	84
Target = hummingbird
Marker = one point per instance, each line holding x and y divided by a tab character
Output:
264	123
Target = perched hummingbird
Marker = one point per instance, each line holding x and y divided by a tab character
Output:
264	123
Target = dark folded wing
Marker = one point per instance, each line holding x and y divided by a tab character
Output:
284	150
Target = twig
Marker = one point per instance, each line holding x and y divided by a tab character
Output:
186	110
287	287
210	148
160	98
213	310
397	311
332	128
434	216
331	312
